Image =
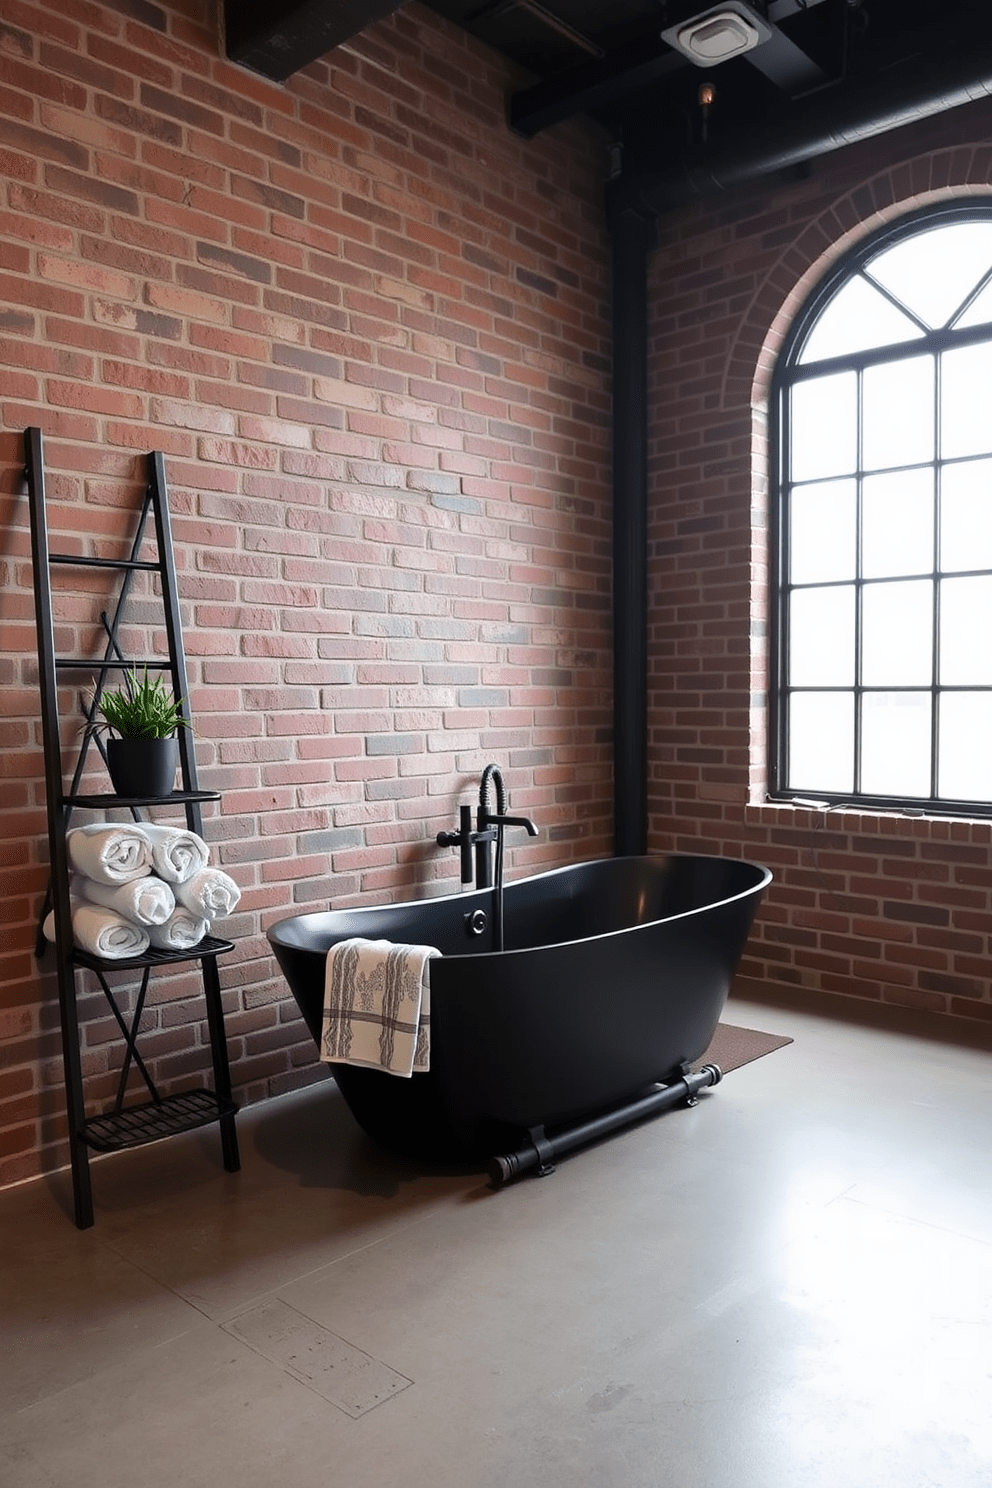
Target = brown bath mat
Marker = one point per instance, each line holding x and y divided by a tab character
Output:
731	1046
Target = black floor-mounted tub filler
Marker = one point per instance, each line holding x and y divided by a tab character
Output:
610	986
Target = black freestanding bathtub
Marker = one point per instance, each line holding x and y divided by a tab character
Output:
612	981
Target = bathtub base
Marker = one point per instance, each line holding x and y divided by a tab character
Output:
541	1150
413	1119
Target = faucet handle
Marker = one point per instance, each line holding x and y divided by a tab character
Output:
465	834
462	839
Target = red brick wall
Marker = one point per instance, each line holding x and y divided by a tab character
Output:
369	329
882	907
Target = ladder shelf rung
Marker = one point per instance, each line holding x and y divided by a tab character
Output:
75	560
99	665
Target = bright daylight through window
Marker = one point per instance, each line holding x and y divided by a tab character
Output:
882	655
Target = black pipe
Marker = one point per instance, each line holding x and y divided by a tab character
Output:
542	1150
632	240
871	104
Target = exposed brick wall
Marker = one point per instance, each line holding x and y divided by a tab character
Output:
882	907
369	328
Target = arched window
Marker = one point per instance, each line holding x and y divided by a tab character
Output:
882	559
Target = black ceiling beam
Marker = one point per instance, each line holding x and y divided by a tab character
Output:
785	64
588	86
778	10
278	39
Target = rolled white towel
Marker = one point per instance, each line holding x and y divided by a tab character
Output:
102	932
143	901
180	932
176	853
210	892
109	853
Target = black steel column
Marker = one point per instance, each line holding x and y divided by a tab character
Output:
632	238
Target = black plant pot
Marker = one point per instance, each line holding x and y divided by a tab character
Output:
143	767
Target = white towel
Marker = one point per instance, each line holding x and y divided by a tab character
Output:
210	892
108	853
101	932
143	901
180	932
176	854
377	1005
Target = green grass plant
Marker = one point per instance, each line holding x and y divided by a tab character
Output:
142	708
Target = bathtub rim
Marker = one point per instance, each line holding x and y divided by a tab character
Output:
757	888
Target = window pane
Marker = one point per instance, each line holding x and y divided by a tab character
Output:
897	524
966	401
965	760
895	743
856	319
966	632
966	516
898	414
821	741
824	427
823	532
935	270
821	637
897	634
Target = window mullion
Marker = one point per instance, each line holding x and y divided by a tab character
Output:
858	581
782	692
937	586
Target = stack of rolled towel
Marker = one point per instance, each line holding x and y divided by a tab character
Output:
140	885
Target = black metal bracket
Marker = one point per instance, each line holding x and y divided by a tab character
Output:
544	1149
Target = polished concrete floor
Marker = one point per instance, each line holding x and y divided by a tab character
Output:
790	1284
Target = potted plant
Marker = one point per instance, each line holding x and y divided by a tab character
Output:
141	718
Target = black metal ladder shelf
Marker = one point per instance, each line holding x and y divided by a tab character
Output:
160	1116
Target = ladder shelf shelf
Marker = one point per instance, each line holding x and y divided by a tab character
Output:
210	945
106	801
137	1125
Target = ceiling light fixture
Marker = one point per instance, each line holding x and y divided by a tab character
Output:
716	35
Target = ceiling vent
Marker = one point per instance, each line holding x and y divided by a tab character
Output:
727	31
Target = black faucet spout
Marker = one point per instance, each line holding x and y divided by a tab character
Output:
510	821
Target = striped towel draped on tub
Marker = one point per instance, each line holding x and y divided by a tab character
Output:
377	1009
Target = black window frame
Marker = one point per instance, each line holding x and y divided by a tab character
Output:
787	373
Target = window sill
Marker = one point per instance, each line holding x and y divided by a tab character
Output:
859	819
